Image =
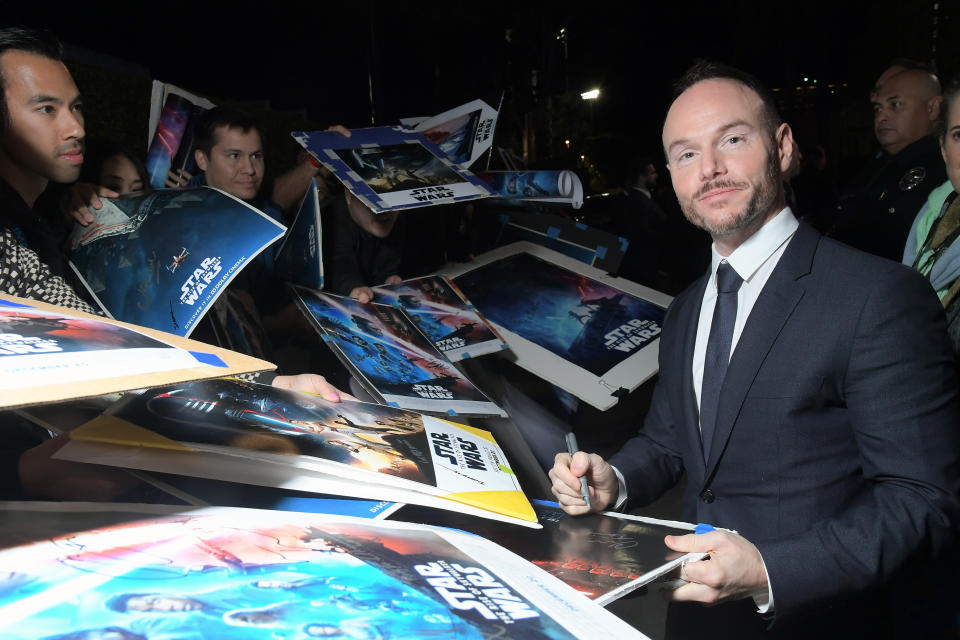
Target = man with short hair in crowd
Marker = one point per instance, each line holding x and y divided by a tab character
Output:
877	209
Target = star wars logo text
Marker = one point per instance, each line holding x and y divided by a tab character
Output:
431	193
484	130
462	454
433	391
446	344
200	279
473	588
631	335
13	344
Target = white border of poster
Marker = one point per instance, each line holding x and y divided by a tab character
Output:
597	390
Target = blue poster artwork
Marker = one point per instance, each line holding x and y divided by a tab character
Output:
190	577
160	260
394	360
300	257
593	325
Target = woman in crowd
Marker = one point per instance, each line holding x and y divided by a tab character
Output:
933	247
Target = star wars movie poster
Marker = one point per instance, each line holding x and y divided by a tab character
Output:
392	168
391	357
464	133
44	348
588	323
365	442
441	312
160	260
253	574
560	186
300	257
603	556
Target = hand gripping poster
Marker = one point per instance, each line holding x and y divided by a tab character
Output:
391	357
367	443
161	260
239	573
571	324
392	168
439	309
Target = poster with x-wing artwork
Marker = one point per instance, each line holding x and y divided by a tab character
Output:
571	324
392	168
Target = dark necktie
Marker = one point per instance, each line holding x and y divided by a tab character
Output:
718	351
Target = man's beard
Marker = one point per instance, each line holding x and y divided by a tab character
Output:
764	196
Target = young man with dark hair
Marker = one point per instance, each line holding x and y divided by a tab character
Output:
806	389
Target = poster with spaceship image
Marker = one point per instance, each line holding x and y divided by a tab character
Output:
245	573
391	357
592	335
161	260
392	168
363	442
439	309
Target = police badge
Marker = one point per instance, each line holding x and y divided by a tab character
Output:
912	178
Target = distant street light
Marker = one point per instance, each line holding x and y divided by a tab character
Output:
593	94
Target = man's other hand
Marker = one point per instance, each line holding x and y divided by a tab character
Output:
734	570
77	201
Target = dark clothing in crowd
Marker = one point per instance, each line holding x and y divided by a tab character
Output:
354	258
878	208
644	224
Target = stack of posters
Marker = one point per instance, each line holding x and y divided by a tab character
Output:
390	357
300	257
240	432
603	556
464	133
161	260
50	353
562	187
173	114
391	168
219	573
567	322
444	315
597	248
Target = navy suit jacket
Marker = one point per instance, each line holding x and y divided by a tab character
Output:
836	444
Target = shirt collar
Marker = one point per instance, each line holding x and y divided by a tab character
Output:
749	256
643	191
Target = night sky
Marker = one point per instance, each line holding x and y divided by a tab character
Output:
426	57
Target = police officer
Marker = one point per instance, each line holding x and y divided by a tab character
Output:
877	209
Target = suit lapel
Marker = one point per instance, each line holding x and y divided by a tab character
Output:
771	311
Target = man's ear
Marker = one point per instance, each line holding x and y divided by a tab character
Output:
786	147
201	159
933	108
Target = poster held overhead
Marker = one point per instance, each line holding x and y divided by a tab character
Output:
173	114
391	168
464	133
